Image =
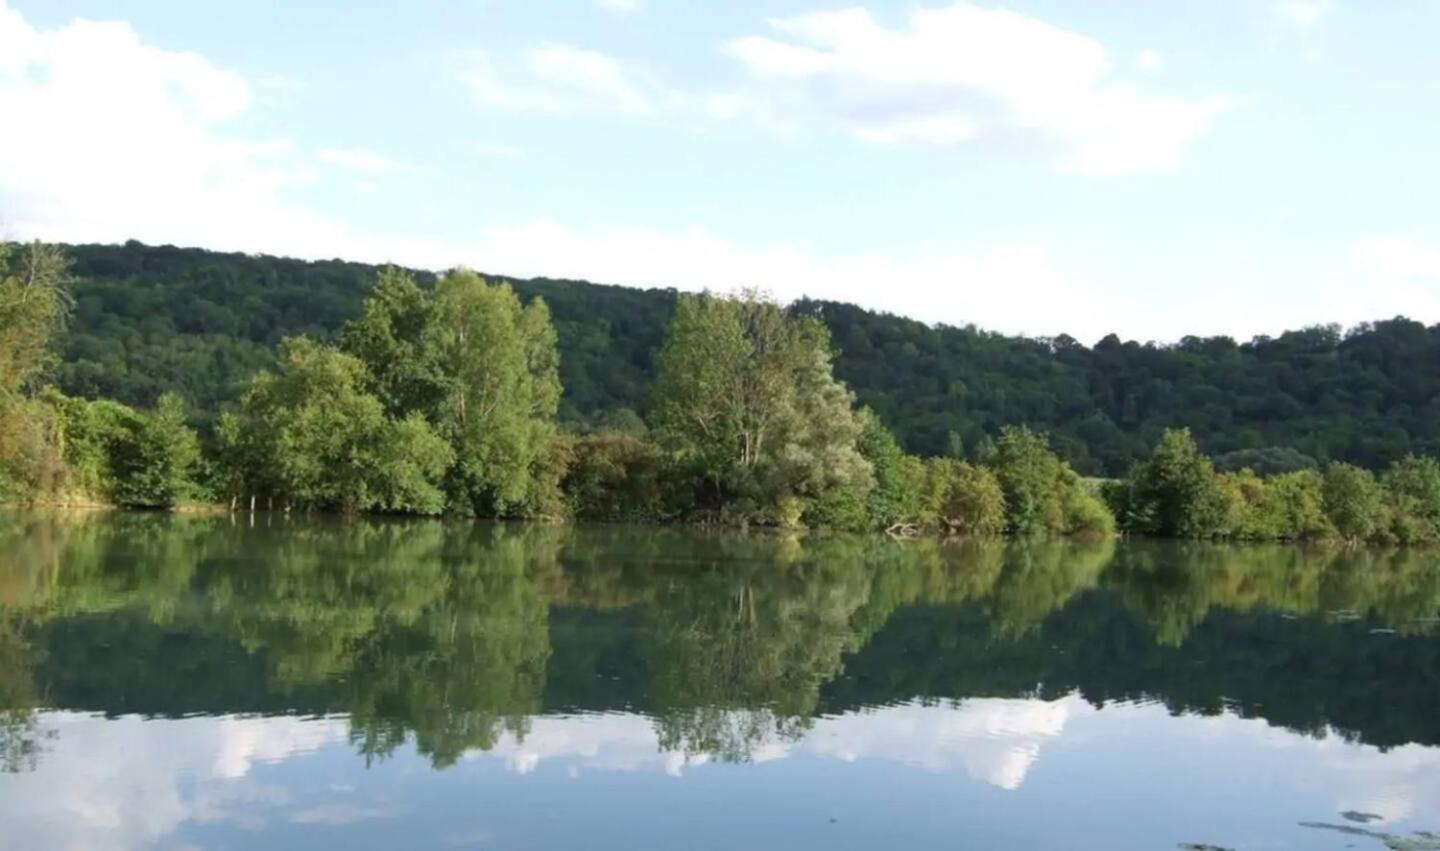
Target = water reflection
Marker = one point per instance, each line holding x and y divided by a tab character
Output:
184	676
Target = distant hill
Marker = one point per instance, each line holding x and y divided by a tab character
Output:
154	318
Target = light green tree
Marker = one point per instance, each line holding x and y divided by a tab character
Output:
1043	495
499	370
746	401
308	435
1174	493
33	304
1354	502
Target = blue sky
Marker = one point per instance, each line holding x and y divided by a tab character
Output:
1155	169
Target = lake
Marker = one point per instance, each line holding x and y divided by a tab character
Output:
282	683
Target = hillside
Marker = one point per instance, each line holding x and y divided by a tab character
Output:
149	319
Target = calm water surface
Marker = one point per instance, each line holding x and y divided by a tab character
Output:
185	683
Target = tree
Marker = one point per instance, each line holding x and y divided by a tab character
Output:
309	435
1043	495
33	305
482	369
392	336
1354	502
1174	493
964	499
34	302
1413	485
496	368
154	457
746	402
898	497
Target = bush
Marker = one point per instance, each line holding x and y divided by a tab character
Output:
1043	495
963	499
615	476
1173	493
1354	503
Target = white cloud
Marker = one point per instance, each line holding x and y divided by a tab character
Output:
1304	14
623	6
994	741
561	79
367	161
496	150
962	75
110	138
129	783
1149	60
1399	257
958	75
1015	288
1389	275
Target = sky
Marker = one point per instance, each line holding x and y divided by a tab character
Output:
1035	167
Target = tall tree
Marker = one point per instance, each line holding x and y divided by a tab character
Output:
33	304
480	367
500	373
746	400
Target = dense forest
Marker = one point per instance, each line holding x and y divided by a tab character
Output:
447	395
148	320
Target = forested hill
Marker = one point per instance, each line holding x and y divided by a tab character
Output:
149	319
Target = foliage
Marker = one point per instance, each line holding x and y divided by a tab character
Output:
1173	494
1266	461
478	366
899	494
614	477
445	391
746	403
1043	495
499	368
962	498
309	436
34	302
1413	488
73	450
1354	502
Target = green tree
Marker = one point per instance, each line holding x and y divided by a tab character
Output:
1043	495
501	388
1174	493
746	402
392	336
1413	486
1354	502
154	456
33	305
898	497
964	499
308	435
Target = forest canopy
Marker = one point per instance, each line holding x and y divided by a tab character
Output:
149	320
447	394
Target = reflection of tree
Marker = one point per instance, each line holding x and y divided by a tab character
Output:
756	637
20	737
473	664
452	635
1174	586
1039	578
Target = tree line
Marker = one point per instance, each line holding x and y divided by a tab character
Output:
154	319
445	394
1178	493
444	399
